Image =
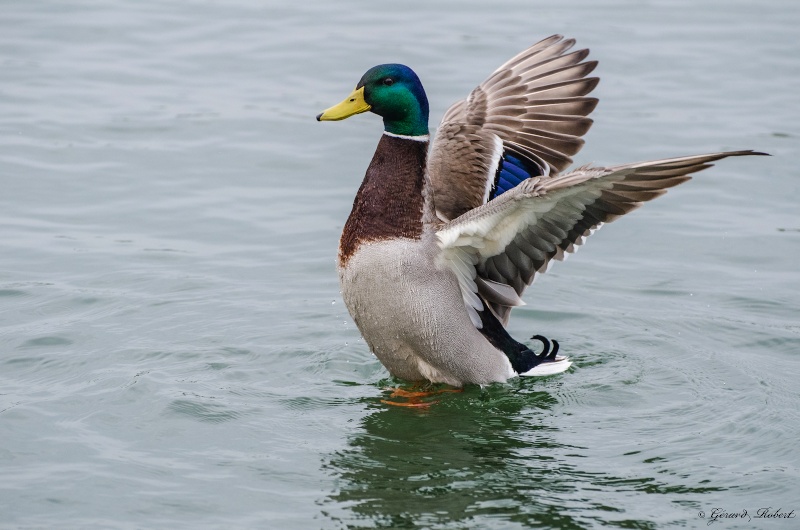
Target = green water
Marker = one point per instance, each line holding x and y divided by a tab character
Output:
174	352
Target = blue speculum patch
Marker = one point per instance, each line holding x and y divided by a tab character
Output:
512	171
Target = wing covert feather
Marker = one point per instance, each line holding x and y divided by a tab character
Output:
518	235
534	105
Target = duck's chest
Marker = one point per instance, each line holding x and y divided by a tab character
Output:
385	258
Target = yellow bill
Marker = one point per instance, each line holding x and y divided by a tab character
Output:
352	105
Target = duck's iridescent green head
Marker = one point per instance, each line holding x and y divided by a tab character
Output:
392	91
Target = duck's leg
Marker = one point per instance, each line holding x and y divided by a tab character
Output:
415	397
399	392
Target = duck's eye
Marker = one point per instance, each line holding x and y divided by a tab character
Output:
388	81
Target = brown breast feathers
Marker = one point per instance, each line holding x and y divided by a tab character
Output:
389	202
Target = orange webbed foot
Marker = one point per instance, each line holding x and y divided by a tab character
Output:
415	397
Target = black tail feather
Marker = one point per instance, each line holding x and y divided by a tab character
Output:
521	357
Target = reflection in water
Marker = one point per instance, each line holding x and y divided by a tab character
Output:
483	458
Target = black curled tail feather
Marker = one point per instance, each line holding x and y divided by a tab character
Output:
551	356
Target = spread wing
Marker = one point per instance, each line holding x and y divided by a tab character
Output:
525	120
497	249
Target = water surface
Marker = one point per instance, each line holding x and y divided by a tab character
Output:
174	352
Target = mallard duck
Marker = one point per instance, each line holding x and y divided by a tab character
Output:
443	239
